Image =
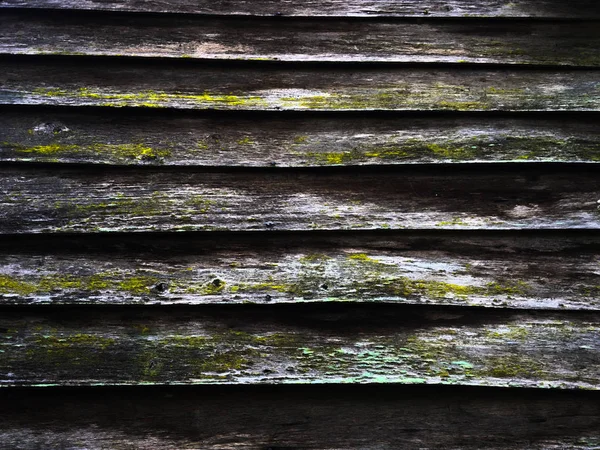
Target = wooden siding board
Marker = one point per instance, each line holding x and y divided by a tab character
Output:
515	42
278	345
358	8
254	418
120	138
245	86
552	271
51	200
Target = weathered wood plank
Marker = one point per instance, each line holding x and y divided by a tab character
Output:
365	417
119	137
257	345
359	8
36	200
247	86
548	271
481	41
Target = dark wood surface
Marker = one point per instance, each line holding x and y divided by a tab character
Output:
59	200
256	86
299	417
118	137
531	270
518	42
261	344
171	213
556	9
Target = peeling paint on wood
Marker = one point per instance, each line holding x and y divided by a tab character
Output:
45	200
117	137
324	417
360	8
246	86
469	41
503	271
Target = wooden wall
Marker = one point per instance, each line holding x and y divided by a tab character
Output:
302	224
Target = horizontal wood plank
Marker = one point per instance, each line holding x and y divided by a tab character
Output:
547	271
51	200
257	345
246	86
359	8
117	137
253	418
482	41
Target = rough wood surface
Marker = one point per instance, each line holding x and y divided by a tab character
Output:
299	344
555	270
362	8
256	86
51	200
481	41
292	417
118	137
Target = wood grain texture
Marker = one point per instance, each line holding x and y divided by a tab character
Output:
360	8
236	139
37	200
247	86
555	270
274	345
291	417
516	42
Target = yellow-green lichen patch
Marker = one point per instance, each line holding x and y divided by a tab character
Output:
300	139
515	367
456	221
500	147
206	357
215	286
463	105
362	257
245	141
154	205
53	343
314	258
154	99
453	152
199	204
69	353
138	285
112	152
397	98
333	158
509	333
12	285
52	284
